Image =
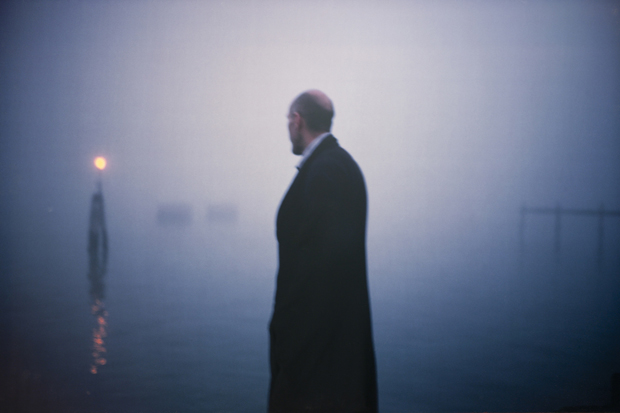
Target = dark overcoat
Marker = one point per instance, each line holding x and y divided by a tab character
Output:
322	356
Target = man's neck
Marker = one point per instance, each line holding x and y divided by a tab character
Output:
311	137
311	147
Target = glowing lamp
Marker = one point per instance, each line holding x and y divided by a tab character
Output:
100	163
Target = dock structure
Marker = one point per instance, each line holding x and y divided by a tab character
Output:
601	213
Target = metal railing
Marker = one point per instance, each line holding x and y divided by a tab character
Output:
601	213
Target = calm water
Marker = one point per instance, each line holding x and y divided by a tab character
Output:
186	325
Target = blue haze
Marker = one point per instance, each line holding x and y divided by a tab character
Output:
458	113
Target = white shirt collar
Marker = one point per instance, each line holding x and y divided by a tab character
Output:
310	148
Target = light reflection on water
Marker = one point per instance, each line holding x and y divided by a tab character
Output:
99	333
188	326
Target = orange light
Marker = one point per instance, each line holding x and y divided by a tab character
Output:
98	310
100	162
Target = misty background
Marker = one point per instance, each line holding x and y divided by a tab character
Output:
458	113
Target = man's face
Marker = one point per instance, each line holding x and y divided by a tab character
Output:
294	131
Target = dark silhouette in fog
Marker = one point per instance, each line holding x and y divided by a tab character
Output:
97	244
322	356
174	215
224	213
97	262
557	212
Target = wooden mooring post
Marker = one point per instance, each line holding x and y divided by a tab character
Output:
557	212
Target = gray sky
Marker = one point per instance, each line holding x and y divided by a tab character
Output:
457	112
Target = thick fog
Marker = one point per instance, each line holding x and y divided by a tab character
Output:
458	113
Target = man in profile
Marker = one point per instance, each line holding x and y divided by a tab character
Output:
322	356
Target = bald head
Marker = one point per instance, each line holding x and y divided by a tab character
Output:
316	109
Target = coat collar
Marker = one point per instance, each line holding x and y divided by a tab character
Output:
327	142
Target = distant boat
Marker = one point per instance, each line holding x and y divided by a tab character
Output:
222	213
174	214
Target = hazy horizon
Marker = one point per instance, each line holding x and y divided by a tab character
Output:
458	113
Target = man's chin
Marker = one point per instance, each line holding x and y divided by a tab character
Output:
297	151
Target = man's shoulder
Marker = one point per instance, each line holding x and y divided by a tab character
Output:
329	151
335	161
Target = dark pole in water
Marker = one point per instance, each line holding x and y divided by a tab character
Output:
98	260
97	242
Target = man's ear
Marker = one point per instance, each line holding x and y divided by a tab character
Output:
298	120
